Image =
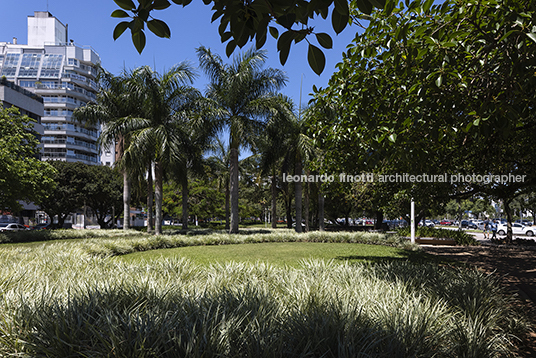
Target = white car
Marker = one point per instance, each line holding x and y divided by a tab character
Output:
12	227
517	229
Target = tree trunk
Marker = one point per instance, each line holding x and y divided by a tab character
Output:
227	206
274	200
379	220
158	189
459	214
149	197
234	191
126	201
321	226
288	204
185	194
306	204
298	194
508	210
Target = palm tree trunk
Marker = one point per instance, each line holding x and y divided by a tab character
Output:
149	197
227	205
306	204
320	210
126	200
274	199
298	194
158	189
234	191
185	194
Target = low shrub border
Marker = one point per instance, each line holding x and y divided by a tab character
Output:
461	237
114	247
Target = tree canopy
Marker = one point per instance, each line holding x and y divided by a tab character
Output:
438	88
22	175
245	21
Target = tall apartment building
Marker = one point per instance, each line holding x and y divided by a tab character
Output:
64	75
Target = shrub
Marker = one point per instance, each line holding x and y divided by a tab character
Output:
58	301
132	244
461	237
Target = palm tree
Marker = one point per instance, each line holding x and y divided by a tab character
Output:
285	144
199	131
219	166
114	106
244	92
168	101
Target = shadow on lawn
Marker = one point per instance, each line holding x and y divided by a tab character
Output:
416	257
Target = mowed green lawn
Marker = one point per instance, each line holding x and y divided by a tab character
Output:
280	254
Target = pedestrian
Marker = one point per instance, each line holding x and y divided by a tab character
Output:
494	230
486	229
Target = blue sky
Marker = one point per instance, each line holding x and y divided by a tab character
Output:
90	24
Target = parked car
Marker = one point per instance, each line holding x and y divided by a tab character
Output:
12	227
524	222
466	224
394	224
445	222
427	223
517	229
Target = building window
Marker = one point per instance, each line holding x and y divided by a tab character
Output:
29	65
73	62
51	65
27	83
11	63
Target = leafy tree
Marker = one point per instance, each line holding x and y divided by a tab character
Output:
102	192
244	21
22	175
425	81
68	194
244	94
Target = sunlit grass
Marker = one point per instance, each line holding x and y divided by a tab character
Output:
61	299
281	254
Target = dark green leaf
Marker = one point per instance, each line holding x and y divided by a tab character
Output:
226	36
324	40
427	5
136	25
230	48
143	14
138	39
283	45
341	6
287	20
119	13
380	4
316	59
125	4
260	37
120	28
144	4
216	15
159	28
339	21
161	4
274	32
364	6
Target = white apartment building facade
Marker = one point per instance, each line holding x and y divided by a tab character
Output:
64	75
